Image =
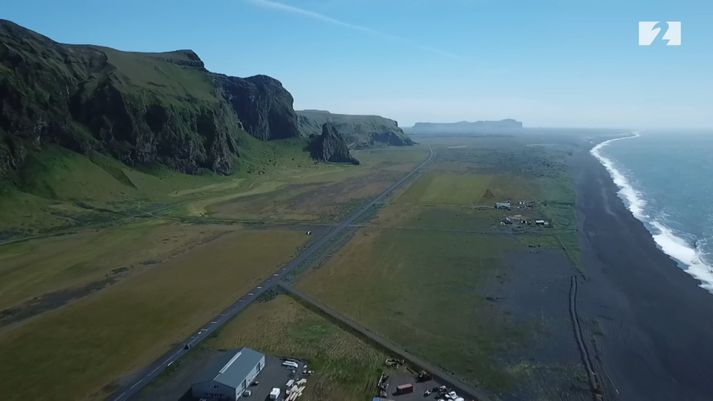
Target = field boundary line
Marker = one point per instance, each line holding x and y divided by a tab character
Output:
439	374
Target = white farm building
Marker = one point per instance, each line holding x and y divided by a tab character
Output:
229	376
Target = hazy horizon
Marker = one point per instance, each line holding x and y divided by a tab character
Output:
554	64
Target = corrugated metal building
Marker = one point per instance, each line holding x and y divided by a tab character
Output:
230	375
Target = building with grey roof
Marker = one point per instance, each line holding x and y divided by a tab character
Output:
503	205
229	376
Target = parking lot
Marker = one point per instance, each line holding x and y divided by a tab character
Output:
273	375
177	385
400	377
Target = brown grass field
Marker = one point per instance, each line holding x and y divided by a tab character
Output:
77	352
36	267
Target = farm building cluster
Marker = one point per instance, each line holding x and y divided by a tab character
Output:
248	374
519	219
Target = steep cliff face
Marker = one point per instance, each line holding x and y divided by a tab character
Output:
141	108
359	131
331	146
263	106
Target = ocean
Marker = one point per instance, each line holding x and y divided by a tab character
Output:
666	181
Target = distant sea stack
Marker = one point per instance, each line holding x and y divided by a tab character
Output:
359	131
467	127
331	146
140	108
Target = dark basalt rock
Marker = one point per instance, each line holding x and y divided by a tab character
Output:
263	106
331	146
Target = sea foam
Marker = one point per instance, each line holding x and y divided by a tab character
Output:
633	199
688	255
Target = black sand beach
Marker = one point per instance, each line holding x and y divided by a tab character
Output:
648	325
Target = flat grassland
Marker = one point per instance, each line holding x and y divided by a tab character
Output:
165	212
78	351
62	190
31	269
420	290
105	266
420	271
447	188
322	196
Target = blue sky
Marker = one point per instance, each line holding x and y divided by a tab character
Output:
547	62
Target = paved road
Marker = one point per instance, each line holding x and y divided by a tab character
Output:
438	374
156	368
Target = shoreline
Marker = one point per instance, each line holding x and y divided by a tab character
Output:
645	318
687	256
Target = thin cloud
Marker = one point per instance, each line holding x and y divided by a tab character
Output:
274	5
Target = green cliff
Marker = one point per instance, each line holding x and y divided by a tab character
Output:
140	108
359	131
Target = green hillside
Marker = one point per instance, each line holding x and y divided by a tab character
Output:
143	109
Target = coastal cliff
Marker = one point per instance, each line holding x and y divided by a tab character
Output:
359	131
140	108
507	125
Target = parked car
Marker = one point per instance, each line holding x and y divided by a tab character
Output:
290	364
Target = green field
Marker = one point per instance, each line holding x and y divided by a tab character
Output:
419	288
448	188
62	190
36	267
345	367
418	272
123	263
126	326
64	193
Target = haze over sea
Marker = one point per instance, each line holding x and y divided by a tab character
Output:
665	180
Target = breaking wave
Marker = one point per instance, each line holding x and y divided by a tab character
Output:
691	256
633	199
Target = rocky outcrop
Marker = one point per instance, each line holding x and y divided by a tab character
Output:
331	146
261	103
359	131
141	108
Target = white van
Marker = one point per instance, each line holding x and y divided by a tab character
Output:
275	393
